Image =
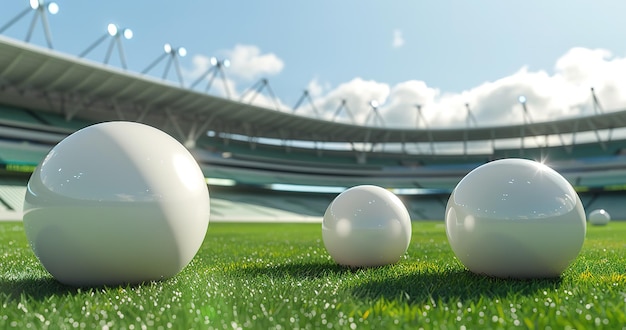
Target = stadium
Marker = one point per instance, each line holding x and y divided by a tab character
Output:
265	165
249	150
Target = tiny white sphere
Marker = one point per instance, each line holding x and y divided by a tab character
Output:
116	203
599	217
366	226
515	218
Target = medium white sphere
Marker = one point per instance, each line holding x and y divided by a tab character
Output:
515	218
116	203
366	226
599	217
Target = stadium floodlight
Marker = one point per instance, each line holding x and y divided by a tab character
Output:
217	67
116	34
374	105
215	62
52	7
469	116
522	99
256	90
180	51
419	117
344	105
306	95
173	54
597	107
40	7
128	34
429	132
527	120
114	31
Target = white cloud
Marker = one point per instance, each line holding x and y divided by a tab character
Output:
248	63
357	94
564	93
316	88
203	76
402	108
309	106
398	39
580	65
263	96
200	64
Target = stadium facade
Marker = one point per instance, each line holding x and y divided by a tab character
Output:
249	152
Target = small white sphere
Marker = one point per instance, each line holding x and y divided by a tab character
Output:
599	217
366	226
515	218
116	203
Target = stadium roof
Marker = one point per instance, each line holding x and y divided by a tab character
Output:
46	80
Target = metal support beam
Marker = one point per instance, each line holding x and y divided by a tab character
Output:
257	88
306	96
343	106
116	35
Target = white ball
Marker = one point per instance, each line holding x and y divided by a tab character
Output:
116	203
599	217
366	226
515	218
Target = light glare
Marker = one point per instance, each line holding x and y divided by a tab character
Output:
522	99
112	29
34	4
220	182
128	34
53	8
167	48
182	51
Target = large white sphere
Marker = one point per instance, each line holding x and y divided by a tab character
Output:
366	226
515	218
599	217
114	203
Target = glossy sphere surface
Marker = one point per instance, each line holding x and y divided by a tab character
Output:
515	218
114	203
366	226
599	217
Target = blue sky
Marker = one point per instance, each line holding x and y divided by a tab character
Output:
439	54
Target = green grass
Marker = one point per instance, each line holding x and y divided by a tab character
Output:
280	276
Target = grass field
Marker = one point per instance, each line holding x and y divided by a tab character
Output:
280	276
